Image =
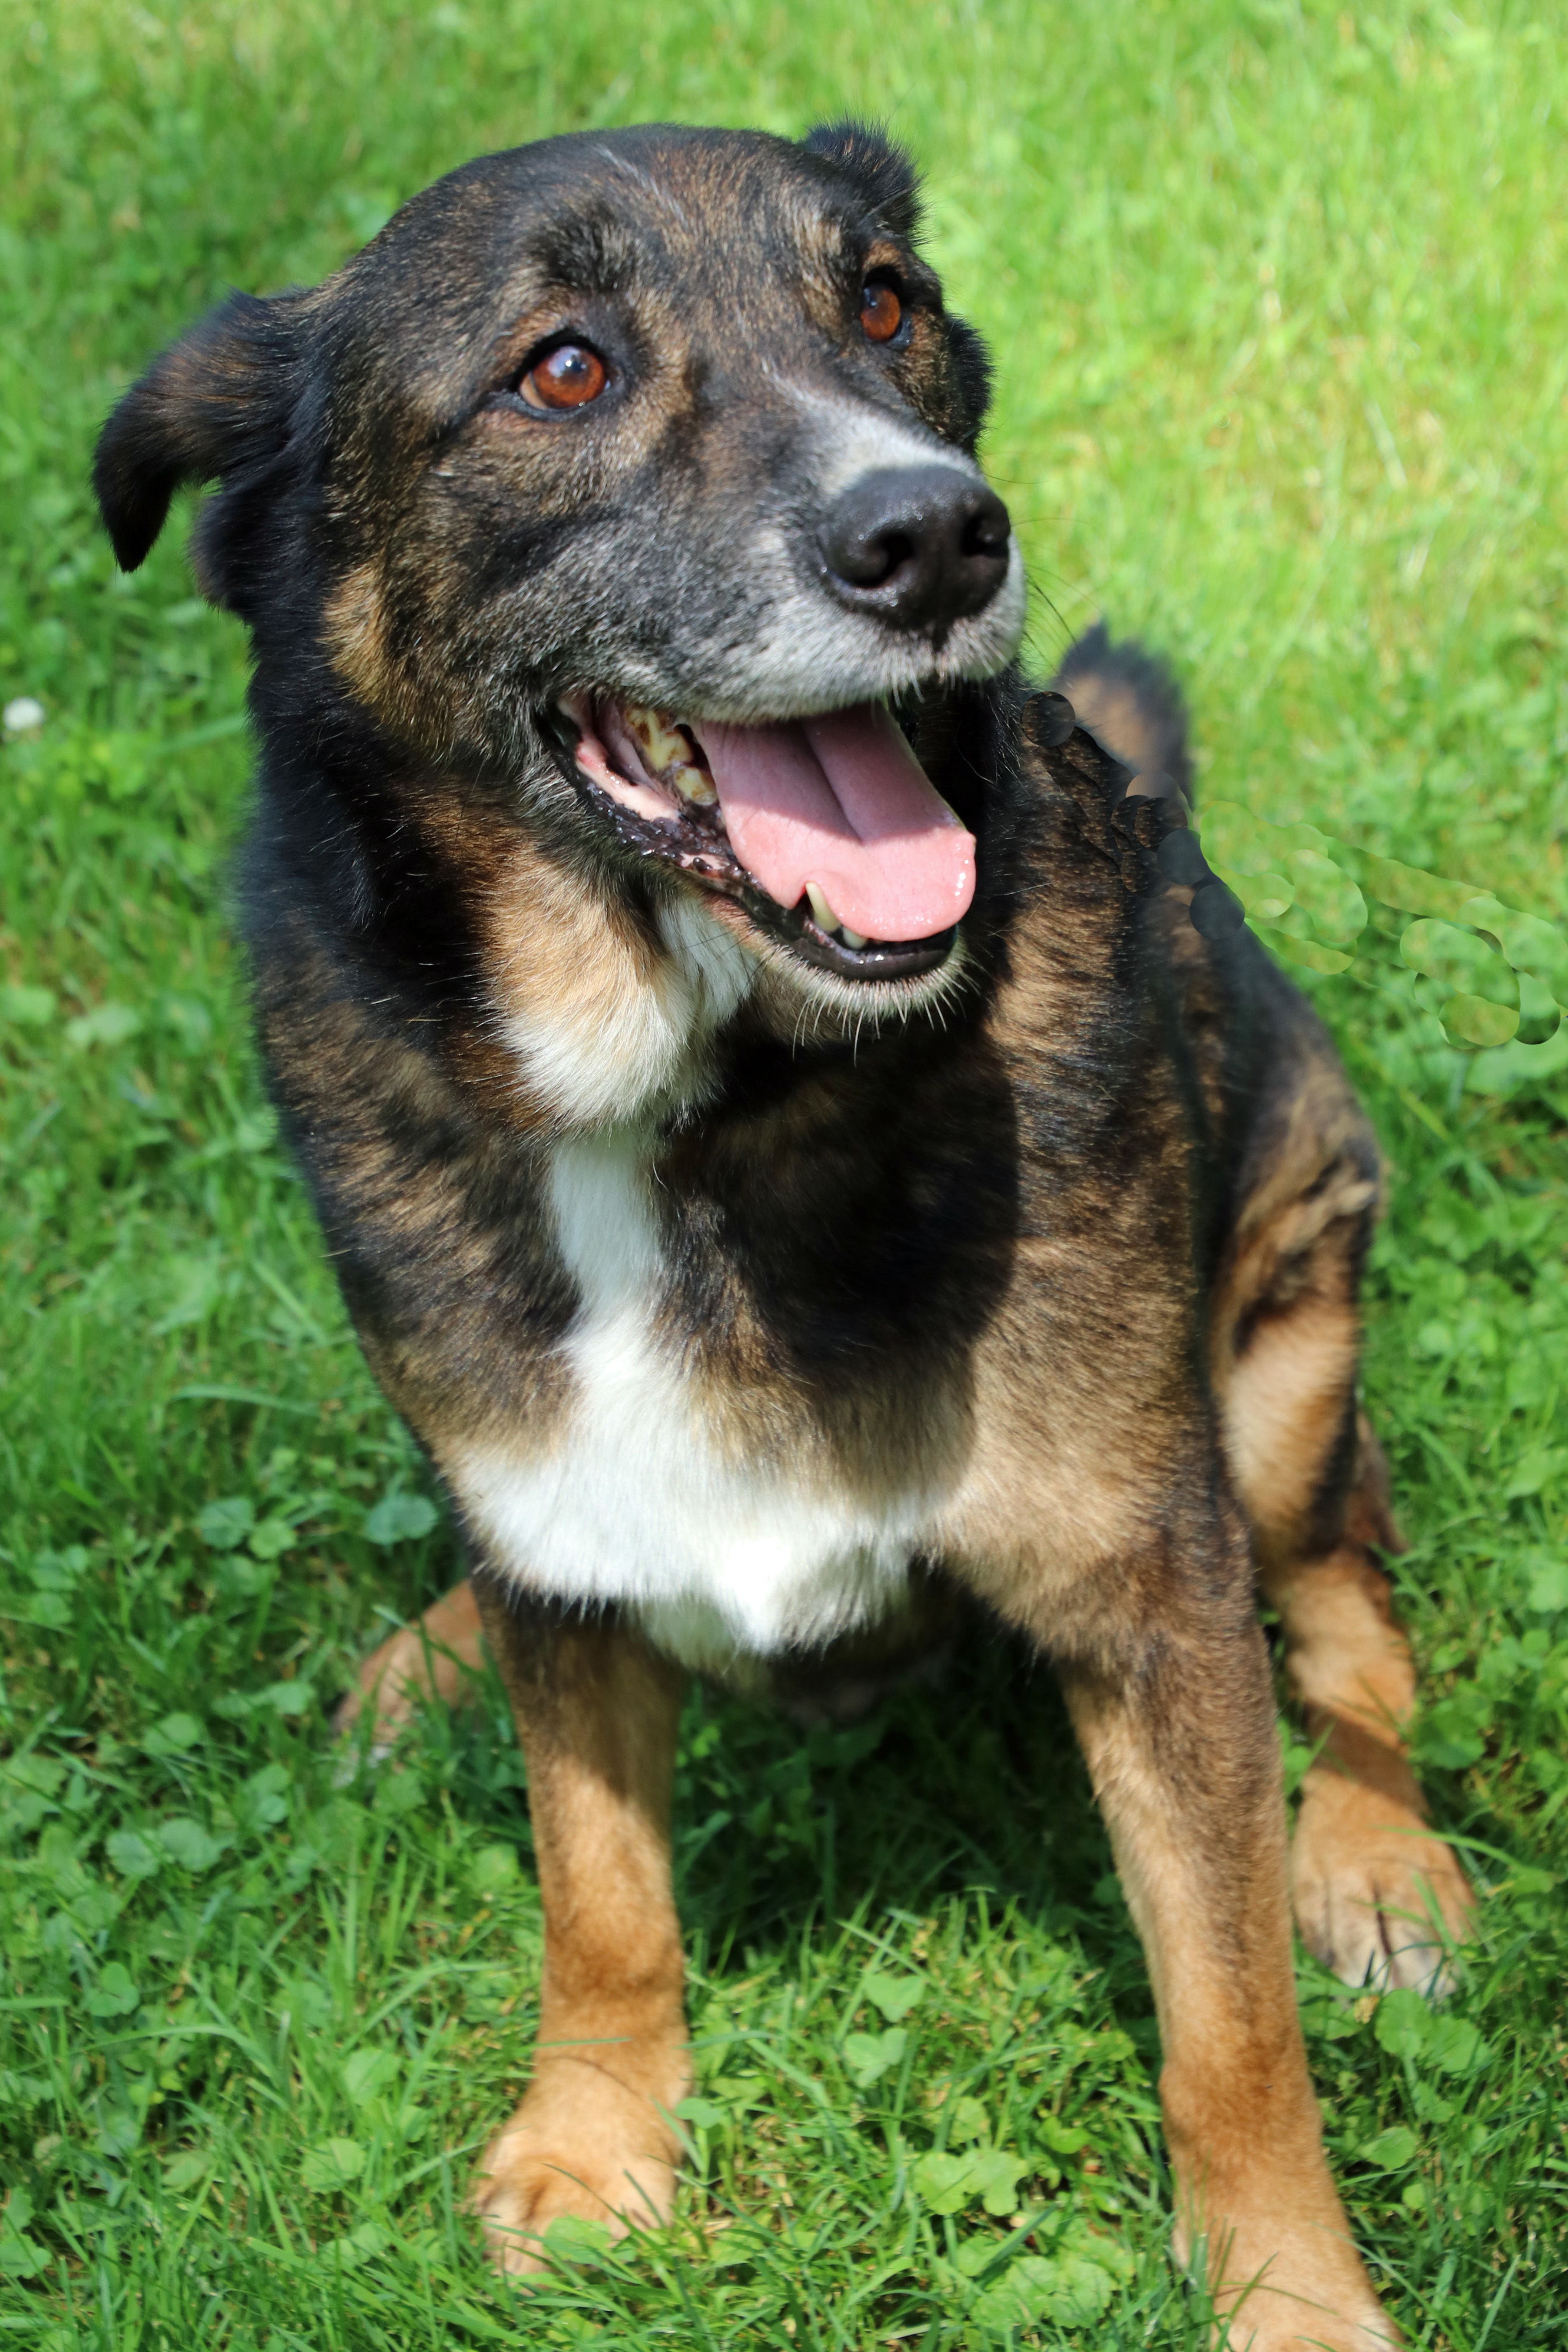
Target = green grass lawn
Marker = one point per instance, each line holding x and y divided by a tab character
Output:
1278	297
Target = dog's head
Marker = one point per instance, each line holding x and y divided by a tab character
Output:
636	470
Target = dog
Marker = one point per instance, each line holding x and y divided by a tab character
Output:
806	1144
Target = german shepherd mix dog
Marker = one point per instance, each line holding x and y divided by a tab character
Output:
800	1134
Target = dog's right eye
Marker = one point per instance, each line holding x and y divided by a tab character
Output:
567	377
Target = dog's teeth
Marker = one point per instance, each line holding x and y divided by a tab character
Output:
853	939
666	748
827	919
662	744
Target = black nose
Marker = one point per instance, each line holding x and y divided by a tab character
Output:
921	546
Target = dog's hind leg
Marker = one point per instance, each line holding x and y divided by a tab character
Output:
440	1656
597	1712
1378	1897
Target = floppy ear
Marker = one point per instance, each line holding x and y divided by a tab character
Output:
217	406
883	171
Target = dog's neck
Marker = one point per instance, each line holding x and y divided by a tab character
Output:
622	1031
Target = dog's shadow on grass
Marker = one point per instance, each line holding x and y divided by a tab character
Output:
970	1784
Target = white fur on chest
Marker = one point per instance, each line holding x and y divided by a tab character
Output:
636	1502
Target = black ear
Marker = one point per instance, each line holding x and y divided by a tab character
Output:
880	168
216	405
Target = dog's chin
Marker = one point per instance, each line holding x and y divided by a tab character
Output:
645	778
814	1004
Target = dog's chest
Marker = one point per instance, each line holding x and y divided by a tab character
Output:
720	1544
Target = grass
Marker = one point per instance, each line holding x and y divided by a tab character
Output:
1280	300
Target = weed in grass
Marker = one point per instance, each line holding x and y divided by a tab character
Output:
1277	299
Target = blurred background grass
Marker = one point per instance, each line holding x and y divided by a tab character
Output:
1278	302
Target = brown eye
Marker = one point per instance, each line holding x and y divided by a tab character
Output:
568	377
882	312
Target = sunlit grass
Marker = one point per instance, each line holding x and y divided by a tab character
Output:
1280	311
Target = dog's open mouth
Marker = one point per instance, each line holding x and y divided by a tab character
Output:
829	830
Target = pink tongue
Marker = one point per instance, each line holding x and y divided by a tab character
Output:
843	802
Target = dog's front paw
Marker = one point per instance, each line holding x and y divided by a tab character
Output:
1378	1897
1307	2293
1271	2322
582	2146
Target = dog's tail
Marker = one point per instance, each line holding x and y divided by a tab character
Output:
1128	699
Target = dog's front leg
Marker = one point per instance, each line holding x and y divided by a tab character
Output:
597	1712
1181	1744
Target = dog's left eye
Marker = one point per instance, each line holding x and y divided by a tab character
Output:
567	377
882	312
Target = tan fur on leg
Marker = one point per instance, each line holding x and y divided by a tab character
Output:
597	1714
1377	1896
438	1657
1180	1761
